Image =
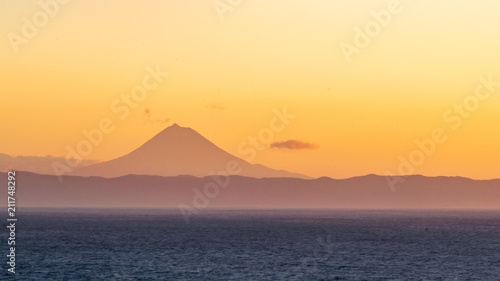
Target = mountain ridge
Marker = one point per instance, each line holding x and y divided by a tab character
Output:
146	191
176	151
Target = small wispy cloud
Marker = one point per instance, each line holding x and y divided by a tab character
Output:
216	107
151	120
293	144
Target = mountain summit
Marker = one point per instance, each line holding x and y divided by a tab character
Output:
178	151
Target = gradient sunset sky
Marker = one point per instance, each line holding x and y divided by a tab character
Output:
227	76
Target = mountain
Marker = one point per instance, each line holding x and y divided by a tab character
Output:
35	164
366	192
179	151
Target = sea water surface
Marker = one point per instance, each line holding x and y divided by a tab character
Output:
94	244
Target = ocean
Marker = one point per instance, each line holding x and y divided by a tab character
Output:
112	244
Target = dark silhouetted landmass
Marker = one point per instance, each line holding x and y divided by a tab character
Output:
366	192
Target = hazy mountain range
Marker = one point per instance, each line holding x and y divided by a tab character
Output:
174	151
35	164
370	192
174	169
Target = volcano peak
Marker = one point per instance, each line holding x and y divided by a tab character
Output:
177	151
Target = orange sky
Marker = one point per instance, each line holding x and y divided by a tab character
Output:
227	76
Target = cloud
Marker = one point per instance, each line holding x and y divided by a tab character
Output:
151	120
293	144
216	107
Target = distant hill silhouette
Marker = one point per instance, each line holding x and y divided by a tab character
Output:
35	164
178	151
366	192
